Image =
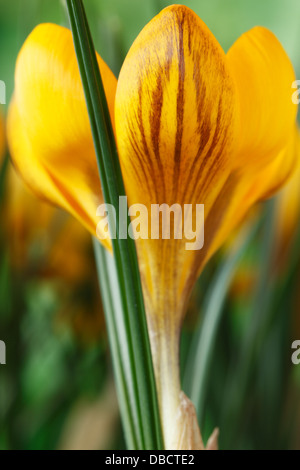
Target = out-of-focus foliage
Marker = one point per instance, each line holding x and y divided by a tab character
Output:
57	379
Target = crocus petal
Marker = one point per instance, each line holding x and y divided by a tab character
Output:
264	76
48	125
242	190
53	231
175	111
175	127
27	221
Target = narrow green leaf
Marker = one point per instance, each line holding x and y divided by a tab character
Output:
112	303
132	359
259	312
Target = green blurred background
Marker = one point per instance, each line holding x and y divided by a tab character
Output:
56	390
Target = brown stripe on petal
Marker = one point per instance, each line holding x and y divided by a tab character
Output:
207	102
155	123
206	157
148	158
165	68
136	157
180	106
136	152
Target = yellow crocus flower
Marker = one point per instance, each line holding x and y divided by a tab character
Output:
37	237
192	124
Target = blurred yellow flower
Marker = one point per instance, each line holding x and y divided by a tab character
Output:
37	236
192	125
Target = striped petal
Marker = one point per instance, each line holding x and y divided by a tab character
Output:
175	114
48	126
175	127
